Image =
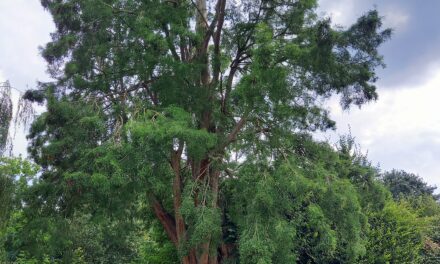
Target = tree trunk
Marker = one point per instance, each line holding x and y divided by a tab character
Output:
201	170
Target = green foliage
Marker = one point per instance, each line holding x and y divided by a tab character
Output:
417	195
152	100
431	249
405	184
162	129
154	248
394	235
15	174
299	209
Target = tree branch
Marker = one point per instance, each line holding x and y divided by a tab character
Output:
153	97
233	135
200	13
165	219
170	42
217	36
117	9
177	193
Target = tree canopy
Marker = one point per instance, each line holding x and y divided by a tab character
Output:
179	131
154	99
402	183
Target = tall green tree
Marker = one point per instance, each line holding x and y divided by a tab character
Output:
172	105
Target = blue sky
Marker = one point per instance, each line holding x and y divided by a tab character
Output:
401	130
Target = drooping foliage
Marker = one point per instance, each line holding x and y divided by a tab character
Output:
23	115
5	114
302	210
305	208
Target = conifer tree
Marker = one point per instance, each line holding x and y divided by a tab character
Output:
191	109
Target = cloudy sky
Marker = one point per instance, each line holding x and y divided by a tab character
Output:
401	130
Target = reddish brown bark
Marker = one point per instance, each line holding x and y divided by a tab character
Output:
166	220
177	201
209	80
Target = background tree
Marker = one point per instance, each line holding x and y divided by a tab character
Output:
402	183
395	235
15	174
172	105
410	189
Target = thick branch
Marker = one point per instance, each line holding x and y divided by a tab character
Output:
152	96
201	13
217	36
132	88
229	82
219	16
233	135
165	219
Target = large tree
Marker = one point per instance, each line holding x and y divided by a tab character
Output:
189	108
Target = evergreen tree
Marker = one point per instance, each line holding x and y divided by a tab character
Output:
191	109
401	183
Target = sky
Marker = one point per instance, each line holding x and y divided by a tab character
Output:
25	26
401	130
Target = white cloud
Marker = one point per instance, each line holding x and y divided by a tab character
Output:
24	26
395	18
345	12
401	130
342	12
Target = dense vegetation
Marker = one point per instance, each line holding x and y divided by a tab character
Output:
179	131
